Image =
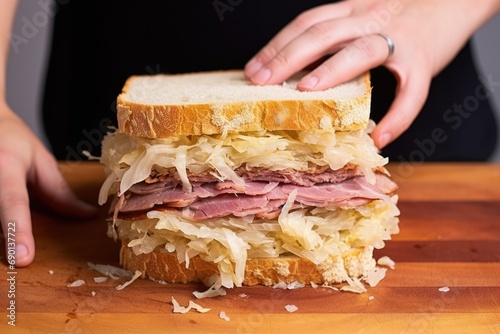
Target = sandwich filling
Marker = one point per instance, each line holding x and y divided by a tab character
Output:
319	195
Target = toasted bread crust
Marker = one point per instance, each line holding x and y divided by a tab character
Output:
258	271
165	120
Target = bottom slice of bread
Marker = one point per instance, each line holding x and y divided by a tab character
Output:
164	266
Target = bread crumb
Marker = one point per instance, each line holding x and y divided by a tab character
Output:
93	293
371	298
444	289
291	308
375	276
289	286
78	282
387	262
280	285
100	279
51	272
295	285
224	316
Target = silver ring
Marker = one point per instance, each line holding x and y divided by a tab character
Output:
389	42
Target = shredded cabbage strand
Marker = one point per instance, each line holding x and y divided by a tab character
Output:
332	237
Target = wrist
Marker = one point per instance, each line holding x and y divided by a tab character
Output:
4	107
481	13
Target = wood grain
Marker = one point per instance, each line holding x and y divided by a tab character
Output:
450	237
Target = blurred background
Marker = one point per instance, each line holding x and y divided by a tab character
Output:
26	64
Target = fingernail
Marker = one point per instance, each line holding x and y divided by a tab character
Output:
309	83
21	252
252	67
385	139
262	76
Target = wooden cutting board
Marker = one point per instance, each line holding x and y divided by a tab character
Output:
450	237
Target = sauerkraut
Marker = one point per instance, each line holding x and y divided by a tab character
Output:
338	240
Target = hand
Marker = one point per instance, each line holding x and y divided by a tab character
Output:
427	34
26	164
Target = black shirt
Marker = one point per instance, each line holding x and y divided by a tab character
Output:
97	45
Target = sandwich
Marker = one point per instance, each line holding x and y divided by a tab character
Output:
212	179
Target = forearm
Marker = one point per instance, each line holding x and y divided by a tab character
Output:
451	23
7	14
466	16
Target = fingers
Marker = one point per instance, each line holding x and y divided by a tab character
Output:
48	184
15	211
410	98
336	39
297	27
322	39
356	58
54	191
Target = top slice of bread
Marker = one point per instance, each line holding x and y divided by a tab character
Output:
160	106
